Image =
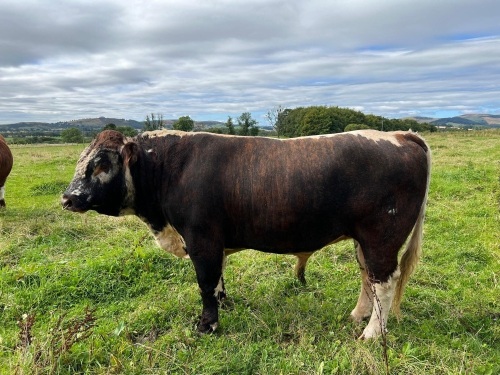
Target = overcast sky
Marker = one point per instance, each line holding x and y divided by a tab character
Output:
64	59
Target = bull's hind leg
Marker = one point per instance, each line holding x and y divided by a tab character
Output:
364	306
300	267
383	294
380	277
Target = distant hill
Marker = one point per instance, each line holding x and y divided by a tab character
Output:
90	125
470	120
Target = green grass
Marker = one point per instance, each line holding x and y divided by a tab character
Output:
92	294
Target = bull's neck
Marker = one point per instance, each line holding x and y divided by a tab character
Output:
152	177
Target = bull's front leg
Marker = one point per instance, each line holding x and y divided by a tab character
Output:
208	262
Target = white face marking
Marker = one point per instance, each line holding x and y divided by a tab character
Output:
170	240
83	162
105	177
76	192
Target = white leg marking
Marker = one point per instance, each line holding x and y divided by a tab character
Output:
383	296
2	193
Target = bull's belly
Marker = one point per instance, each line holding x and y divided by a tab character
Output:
171	241
284	243
297	247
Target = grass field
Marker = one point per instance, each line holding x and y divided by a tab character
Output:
92	294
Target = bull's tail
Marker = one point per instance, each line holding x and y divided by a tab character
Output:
413	249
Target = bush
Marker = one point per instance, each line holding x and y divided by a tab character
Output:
72	135
352	127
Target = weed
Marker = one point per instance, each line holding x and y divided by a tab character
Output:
47	356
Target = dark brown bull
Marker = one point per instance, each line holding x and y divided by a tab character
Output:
6	161
205	196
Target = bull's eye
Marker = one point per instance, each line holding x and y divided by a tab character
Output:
101	168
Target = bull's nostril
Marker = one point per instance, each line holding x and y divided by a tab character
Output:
66	203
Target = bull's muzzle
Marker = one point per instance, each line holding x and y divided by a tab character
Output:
72	203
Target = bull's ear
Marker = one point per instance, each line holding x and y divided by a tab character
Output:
130	153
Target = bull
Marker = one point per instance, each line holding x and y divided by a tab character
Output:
6	161
205	196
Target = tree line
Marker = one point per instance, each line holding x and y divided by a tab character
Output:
245	125
317	120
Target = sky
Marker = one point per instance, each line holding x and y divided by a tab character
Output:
64	59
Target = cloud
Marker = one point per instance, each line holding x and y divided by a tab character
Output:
63	60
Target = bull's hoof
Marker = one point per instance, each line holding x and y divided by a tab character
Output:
372	332
206	327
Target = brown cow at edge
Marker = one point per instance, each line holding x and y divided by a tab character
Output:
205	196
6	161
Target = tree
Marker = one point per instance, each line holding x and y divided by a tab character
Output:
248	126
127	131
109	127
289	121
154	122
230	126
184	123
273	116
72	135
317	120
254	130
